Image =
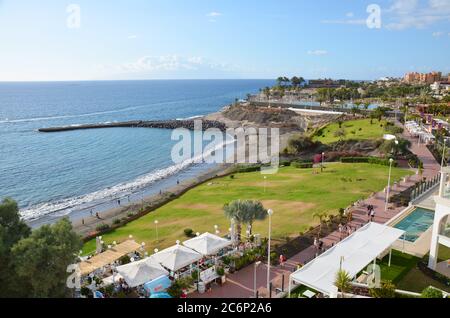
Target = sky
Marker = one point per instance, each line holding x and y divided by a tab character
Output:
54	40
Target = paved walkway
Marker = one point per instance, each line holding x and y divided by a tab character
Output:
241	283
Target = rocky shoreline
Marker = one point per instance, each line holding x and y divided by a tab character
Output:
162	124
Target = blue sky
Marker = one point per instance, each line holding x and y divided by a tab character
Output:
165	39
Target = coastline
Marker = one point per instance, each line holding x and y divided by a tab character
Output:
150	202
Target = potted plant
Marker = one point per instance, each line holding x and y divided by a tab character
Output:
221	273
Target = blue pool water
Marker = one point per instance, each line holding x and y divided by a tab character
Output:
416	223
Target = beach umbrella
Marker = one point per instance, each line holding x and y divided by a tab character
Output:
140	272
207	244
177	257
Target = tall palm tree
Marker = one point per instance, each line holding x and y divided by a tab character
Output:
244	212
254	211
343	282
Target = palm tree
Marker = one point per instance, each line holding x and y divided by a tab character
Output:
244	212
321	216
254	211
343	282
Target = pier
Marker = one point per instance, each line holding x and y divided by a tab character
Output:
161	124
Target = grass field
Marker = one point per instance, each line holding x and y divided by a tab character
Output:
356	129
294	195
405	274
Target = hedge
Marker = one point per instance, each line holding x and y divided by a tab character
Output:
371	160
302	165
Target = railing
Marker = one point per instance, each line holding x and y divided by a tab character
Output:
424	187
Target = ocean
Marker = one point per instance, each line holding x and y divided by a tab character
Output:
59	174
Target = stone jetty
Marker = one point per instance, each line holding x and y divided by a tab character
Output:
161	124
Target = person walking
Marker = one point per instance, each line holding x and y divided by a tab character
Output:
372	216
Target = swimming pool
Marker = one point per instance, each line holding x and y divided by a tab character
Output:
415	223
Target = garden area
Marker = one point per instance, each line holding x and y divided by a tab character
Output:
295	195
361	129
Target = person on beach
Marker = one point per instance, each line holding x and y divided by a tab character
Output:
340	228
118	202
92	213
178	182
97	215
82	221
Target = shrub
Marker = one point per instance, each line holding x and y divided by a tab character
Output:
102	227
130	214
232	176
176	289
220	271
301	165
124	260
189	232
116	221
386	290
300	143
431	292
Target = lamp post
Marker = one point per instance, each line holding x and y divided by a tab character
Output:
443	155
323	158
156	226
254	277
265	183
269	212
389	184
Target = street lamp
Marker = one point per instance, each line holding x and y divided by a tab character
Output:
156	226
265	183
323	158
254	281
269	212
389	184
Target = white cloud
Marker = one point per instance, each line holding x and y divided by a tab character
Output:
404	14
349	14
346	21
318	52
214	14
437	34
133	36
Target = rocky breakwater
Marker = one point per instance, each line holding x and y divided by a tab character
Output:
161	124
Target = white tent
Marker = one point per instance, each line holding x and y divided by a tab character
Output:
355	252
177	257
140	272
207	244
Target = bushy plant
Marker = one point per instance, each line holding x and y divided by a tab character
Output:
431	292
189	232
102	227
116	221
220	271
386	290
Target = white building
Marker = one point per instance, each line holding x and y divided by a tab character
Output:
441	225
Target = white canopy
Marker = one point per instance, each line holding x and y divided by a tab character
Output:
141	272
356	252
177	257
207	244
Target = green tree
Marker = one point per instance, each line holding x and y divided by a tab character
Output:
343	282
42	258
299	143
254	211
12	230
244	212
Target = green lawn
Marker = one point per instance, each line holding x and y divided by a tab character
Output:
405	274
294	195
356	129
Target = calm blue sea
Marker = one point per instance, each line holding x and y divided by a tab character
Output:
57	174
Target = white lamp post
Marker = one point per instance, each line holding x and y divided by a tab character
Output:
389	184
443	155
156	226
269	212
323	158
254	281
265	183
